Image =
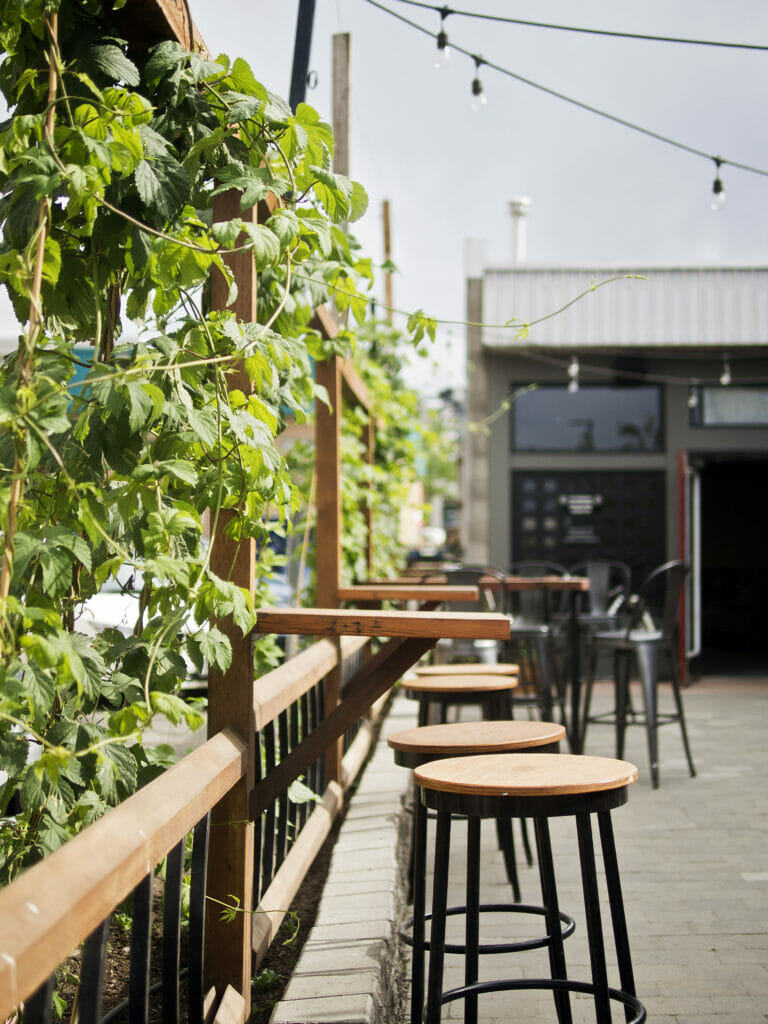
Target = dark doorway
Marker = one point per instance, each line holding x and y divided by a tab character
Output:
734	562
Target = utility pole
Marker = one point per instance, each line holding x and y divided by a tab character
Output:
301	51
387	257
341	51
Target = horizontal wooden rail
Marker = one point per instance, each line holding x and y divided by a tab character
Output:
429	625
408	592
49	910
278	689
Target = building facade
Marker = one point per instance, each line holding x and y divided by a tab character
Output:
632	424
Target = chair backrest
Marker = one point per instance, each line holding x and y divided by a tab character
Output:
532	606
660	596
609	582
470	576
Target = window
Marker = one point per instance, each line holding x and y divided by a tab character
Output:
596	418
731	407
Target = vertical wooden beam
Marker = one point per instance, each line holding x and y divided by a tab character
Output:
230	694
328	528
341	52
370	511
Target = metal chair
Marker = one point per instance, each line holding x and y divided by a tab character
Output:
532	637
641	645
485	651
609	585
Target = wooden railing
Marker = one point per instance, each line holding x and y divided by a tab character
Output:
68	898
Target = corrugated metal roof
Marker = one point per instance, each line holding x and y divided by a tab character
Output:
717	306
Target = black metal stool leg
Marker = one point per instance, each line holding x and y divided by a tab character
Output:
618	918
549	898
648	668
526	842
419	909
621	667
594	923
439	905
507	847
472	939
681	717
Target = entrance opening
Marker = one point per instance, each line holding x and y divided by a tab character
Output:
734	564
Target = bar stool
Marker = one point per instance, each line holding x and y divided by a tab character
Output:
469	668
538	786
415	747
490	690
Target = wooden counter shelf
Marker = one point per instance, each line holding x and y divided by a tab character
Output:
404	591
410	635
357	622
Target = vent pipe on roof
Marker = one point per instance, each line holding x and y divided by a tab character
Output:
518	208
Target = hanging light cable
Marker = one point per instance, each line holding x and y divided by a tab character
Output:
443	54
479	99
718	192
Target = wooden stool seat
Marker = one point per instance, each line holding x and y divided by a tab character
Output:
525	775
505	668
415	746
459	684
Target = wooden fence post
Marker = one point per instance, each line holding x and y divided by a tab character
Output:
230	695
328	529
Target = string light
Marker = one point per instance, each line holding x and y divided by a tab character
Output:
718	192
443	54
479	99
573	375
725	376
693	396
658	136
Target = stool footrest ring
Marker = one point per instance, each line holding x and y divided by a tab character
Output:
496	947
547	984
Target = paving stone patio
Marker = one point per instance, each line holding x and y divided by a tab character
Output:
694	863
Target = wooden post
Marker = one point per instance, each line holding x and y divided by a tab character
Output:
230	694
328	529
369	512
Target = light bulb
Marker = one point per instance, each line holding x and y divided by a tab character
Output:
725	376
479	99
718	195
693	397
573	375
443	54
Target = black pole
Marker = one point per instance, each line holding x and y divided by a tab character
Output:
304	20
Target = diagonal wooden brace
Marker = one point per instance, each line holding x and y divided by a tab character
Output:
366	686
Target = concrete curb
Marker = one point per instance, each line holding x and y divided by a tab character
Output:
350	969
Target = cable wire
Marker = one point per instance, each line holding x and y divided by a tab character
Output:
648	132
444	12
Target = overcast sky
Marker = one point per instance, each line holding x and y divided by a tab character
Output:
600	193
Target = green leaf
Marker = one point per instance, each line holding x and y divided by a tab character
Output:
163	185
299	793
113	63
266	247
176	710
215	647
116	771
285	224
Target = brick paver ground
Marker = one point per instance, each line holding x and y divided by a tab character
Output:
694	862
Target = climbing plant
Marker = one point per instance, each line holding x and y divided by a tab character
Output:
119	435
